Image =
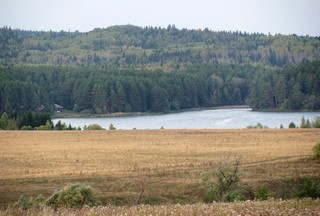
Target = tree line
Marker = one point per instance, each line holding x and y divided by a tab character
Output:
26	121
36	88
95	90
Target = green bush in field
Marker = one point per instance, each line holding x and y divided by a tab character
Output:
316	122
39	201
223	183
292	125
307	187
307	124
316	150
233	196
26	128
258	126
263	193
212	195
73	196
111	127
94	127
26	203
47	126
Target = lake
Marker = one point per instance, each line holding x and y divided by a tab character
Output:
203	119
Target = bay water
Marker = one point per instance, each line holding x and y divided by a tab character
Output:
202	119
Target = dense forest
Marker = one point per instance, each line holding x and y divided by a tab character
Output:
292	88
160	48
133	69
90	89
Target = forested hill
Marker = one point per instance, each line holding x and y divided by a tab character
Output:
159	48
133	69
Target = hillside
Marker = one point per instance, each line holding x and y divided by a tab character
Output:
133	69
160	48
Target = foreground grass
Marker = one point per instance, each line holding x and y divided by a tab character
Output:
270	207
167	162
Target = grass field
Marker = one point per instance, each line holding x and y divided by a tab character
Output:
167	162
248	208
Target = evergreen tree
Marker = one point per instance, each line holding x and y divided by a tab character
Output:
4	120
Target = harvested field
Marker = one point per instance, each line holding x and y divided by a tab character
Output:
168	162
270	207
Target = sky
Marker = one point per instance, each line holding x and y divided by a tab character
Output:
301	17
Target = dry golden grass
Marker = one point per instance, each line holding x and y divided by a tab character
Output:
167	161
270	207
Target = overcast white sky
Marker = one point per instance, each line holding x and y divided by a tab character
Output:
301	17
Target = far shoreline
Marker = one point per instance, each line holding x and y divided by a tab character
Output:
72	114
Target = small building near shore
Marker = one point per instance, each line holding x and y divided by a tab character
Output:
58	108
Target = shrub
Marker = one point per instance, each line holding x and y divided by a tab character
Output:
39	201
233	196
212	195
111	127
60	126
222	183
47	126
316	122
26	128
316	150
292	125
25	203
308	188
94	127
73	196
263	193
257	126
304	123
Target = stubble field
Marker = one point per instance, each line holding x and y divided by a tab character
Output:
167	163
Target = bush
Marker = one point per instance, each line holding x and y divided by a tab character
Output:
222	183
111	127
47	126
25	203
212	195
60	126
233	196
316	122
39	201
26	128
316	150
292	125
94	127
73	196
257	126
307	124
263	193
308	188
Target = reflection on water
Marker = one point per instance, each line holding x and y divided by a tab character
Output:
223	118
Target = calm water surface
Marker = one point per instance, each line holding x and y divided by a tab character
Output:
204	119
